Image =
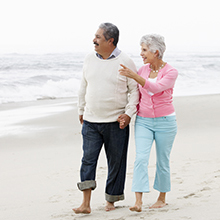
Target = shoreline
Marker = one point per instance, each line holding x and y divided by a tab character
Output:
74	100
41	155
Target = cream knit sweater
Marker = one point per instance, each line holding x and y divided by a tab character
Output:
104	94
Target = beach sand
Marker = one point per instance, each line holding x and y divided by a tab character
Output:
40	156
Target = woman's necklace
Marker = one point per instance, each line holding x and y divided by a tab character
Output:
156	71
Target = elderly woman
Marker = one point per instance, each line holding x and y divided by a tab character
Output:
155	119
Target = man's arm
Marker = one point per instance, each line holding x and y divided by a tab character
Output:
133	99
133	93
81	97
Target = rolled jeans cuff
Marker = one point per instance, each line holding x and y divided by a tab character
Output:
114	198
88	184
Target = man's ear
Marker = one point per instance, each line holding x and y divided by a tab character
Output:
111	40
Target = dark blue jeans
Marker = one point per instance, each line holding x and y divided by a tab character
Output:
115	142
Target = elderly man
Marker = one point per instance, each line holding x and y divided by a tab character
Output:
105	99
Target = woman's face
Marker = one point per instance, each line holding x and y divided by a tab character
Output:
146	54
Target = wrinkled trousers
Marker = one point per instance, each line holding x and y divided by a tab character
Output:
115	141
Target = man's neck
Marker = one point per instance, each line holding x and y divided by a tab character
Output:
113	54
107	54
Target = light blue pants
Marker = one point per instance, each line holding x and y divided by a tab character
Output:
163	130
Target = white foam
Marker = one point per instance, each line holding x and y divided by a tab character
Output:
33	77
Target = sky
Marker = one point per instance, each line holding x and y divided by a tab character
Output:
54	26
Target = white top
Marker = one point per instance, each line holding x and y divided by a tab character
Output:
153	80
105	94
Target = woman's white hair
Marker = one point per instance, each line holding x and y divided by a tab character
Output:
154	42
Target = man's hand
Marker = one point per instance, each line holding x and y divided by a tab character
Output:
81	119
123	120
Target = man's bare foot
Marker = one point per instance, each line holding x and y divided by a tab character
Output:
109	206
136	208
158	204
82	210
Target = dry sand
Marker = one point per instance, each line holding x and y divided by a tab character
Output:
40	155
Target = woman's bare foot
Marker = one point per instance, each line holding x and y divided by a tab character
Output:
136	208
109	206
138	203
82	210
158	204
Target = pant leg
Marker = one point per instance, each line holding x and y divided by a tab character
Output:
92	144
165	133
116	145
144	137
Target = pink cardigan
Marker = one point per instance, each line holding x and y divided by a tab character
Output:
159	104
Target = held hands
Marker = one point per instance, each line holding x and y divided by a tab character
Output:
123	120
124	71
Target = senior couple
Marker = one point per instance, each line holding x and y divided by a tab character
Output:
111	92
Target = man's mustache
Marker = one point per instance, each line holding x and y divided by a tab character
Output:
96	44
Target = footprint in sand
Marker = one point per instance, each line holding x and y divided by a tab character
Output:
55	198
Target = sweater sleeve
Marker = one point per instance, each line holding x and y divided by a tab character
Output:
166	82
133	98
82	93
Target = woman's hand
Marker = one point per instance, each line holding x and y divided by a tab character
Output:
126	72
130	74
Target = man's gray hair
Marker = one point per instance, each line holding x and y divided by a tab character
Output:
110	31
154	42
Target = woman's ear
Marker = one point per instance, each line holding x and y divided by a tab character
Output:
156	54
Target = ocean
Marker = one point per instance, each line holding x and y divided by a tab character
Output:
29	77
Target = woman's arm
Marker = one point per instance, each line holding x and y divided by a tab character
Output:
166	82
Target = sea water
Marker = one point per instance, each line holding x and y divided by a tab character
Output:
29	77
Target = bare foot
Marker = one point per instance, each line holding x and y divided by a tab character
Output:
82	210
136	208
109	206
158	204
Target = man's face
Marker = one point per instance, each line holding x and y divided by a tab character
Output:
101	44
